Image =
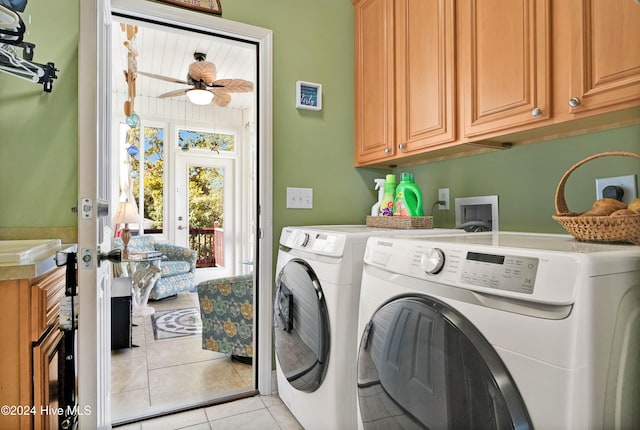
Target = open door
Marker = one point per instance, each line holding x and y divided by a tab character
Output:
94	368
94	233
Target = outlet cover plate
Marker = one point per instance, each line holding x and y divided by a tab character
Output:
443	194
628	184
299	198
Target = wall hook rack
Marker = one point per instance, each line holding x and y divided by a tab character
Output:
12	29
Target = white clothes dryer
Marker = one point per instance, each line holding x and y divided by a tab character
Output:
315	319
498	330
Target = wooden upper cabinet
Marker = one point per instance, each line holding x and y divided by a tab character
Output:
425	74
504	64
605	37
374	81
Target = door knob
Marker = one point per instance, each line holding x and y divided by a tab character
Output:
114	256
180	227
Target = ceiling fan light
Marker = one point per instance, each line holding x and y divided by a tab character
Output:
200	97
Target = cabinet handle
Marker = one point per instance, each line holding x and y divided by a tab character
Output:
387	150
401	147
574	101
536	111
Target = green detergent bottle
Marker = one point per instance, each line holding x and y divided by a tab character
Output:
386	206
408	200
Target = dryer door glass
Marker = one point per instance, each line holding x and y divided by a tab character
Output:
423	365
301	326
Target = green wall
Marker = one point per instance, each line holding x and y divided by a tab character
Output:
313	41
525	178
38	130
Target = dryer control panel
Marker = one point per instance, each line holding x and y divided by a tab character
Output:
317	242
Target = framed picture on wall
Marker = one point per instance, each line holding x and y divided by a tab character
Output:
308	95
208	6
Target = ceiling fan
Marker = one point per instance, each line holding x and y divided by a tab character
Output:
205	87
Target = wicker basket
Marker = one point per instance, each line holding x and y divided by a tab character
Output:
624	228
400	222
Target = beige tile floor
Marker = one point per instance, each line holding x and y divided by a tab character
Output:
253	413
172	374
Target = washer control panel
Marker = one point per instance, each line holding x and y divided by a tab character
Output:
478	262
503	272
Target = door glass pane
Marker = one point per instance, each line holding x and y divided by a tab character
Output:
301	326
206	214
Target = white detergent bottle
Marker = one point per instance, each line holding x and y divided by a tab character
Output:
375	209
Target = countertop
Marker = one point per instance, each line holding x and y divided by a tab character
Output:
33	269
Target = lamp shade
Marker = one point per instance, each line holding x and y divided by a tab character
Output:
127	213
200	97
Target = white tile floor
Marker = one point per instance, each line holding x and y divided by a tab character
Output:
253	413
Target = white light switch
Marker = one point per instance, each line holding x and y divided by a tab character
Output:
299	198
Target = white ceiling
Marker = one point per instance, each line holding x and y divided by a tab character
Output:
168	52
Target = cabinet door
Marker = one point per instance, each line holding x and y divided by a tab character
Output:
374	86
606	54
505	60
425	74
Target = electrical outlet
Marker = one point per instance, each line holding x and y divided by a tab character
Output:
628	184
443	195
299	198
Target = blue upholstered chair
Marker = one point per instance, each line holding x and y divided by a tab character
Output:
226	310
177	269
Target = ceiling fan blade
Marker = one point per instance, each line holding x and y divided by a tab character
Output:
174	93
233	86
221	99
163	78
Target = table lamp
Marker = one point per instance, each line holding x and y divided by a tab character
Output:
127	213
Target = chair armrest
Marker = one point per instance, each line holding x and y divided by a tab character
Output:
178	253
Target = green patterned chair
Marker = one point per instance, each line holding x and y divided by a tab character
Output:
177	269
226	310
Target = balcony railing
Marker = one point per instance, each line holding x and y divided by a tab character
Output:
203	241
208	242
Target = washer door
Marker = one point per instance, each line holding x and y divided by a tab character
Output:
301	326
422	365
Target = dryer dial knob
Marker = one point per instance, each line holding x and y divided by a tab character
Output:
432	261
302	240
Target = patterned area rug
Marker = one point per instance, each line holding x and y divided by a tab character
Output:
176	323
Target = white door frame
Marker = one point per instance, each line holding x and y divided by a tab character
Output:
94	118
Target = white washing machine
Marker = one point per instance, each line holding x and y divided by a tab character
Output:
498	330
318	276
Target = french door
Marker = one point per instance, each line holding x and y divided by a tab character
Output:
205	211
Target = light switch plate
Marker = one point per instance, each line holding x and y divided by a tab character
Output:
299	198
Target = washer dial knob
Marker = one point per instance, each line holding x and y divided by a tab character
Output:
302	240
432	261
